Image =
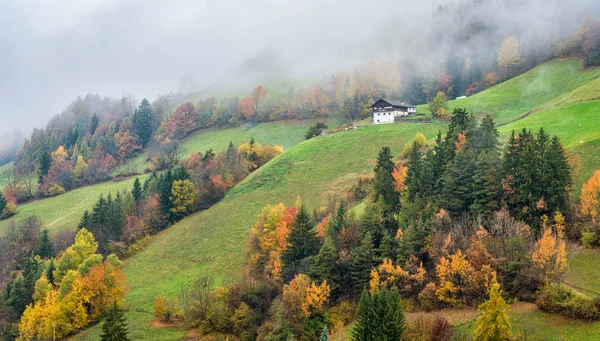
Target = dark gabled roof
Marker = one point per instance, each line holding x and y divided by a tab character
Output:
395	103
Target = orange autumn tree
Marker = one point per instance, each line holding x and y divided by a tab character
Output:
268	240
549	253
590	197
302	297
399	175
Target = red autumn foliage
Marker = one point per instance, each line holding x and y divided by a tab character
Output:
247	107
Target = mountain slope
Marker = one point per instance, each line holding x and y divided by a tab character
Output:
212	242
517	96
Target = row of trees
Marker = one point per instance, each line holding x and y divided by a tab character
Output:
121	221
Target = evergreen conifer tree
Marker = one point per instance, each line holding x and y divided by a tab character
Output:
339	223
142	122
137	190
45	248
380	317
486	184
43	165
458	180
324	334
115	326
413	175
361	263
325	266
303	241
84	222
94	122
384	181
50	271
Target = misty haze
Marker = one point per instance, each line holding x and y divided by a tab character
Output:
300	170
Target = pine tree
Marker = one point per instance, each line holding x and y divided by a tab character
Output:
361	263
44	163
302	240
325	266
380	317
339	223
84	222
486	184
413	176
558	177
384	181
142	122
50	271
137	190
458	180
94	122
115	326
492	323
488	135
324	334
45	248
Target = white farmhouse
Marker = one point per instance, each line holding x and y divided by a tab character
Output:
385	110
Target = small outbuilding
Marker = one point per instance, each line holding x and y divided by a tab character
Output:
386	110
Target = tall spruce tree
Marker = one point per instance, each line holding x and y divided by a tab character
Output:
94	122
361	263
137	190
339	222
43	165
384	181
380	317
302	240
115	325
413	175
142	122
558	177
325	266
488	135
85	220
486	184
458	179
45	248
50	271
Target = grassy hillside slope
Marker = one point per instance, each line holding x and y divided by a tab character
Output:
284	133
509	100
64	211
212	242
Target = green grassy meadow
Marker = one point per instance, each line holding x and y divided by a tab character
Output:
284	133
63	212
547	82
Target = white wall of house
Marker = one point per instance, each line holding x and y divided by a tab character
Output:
383	117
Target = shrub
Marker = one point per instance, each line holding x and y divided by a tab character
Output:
55	190
558	299
9	210
341	315
420	329
164	309
315	130
428	298
588	239
441	330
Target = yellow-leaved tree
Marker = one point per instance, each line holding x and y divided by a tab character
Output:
549	253
590	197
183	196
492	323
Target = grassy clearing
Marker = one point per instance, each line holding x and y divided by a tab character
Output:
212	242
64	211
284	133
516	96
